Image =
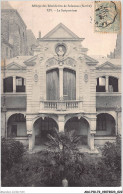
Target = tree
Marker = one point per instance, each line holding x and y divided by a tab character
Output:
63	154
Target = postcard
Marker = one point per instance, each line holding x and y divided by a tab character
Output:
61	115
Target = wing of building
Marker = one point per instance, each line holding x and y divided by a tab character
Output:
61	87
15	38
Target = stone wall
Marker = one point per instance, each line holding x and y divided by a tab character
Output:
13	31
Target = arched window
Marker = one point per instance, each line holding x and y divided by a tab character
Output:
52	84
105	124
101	122
69	84
42	128
16	126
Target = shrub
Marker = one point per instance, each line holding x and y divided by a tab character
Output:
112	154
48	168
28	172
109	169
11	152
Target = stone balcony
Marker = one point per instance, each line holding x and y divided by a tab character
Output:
61	106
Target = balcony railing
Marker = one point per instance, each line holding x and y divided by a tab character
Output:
61	105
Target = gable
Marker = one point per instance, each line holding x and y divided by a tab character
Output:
60	31
31	61
14	66
107	65
90	61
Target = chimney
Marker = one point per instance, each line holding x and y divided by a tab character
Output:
39	34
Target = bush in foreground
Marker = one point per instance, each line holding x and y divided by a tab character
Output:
83	170
11	153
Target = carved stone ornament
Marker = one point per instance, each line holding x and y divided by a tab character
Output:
70	62
40	58
60	50
86	77
51	62
29	132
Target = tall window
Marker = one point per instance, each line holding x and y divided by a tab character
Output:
69	84
52	84
16	126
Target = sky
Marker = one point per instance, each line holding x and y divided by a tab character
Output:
80	22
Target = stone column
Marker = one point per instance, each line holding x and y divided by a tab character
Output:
91	133
91	141
61	123
107	84
14	84
30	133
61	83
118	122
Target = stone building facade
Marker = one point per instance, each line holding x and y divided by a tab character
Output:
61	87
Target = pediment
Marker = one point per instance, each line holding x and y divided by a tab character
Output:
90	61
60	32
107	65
31	61
14	66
